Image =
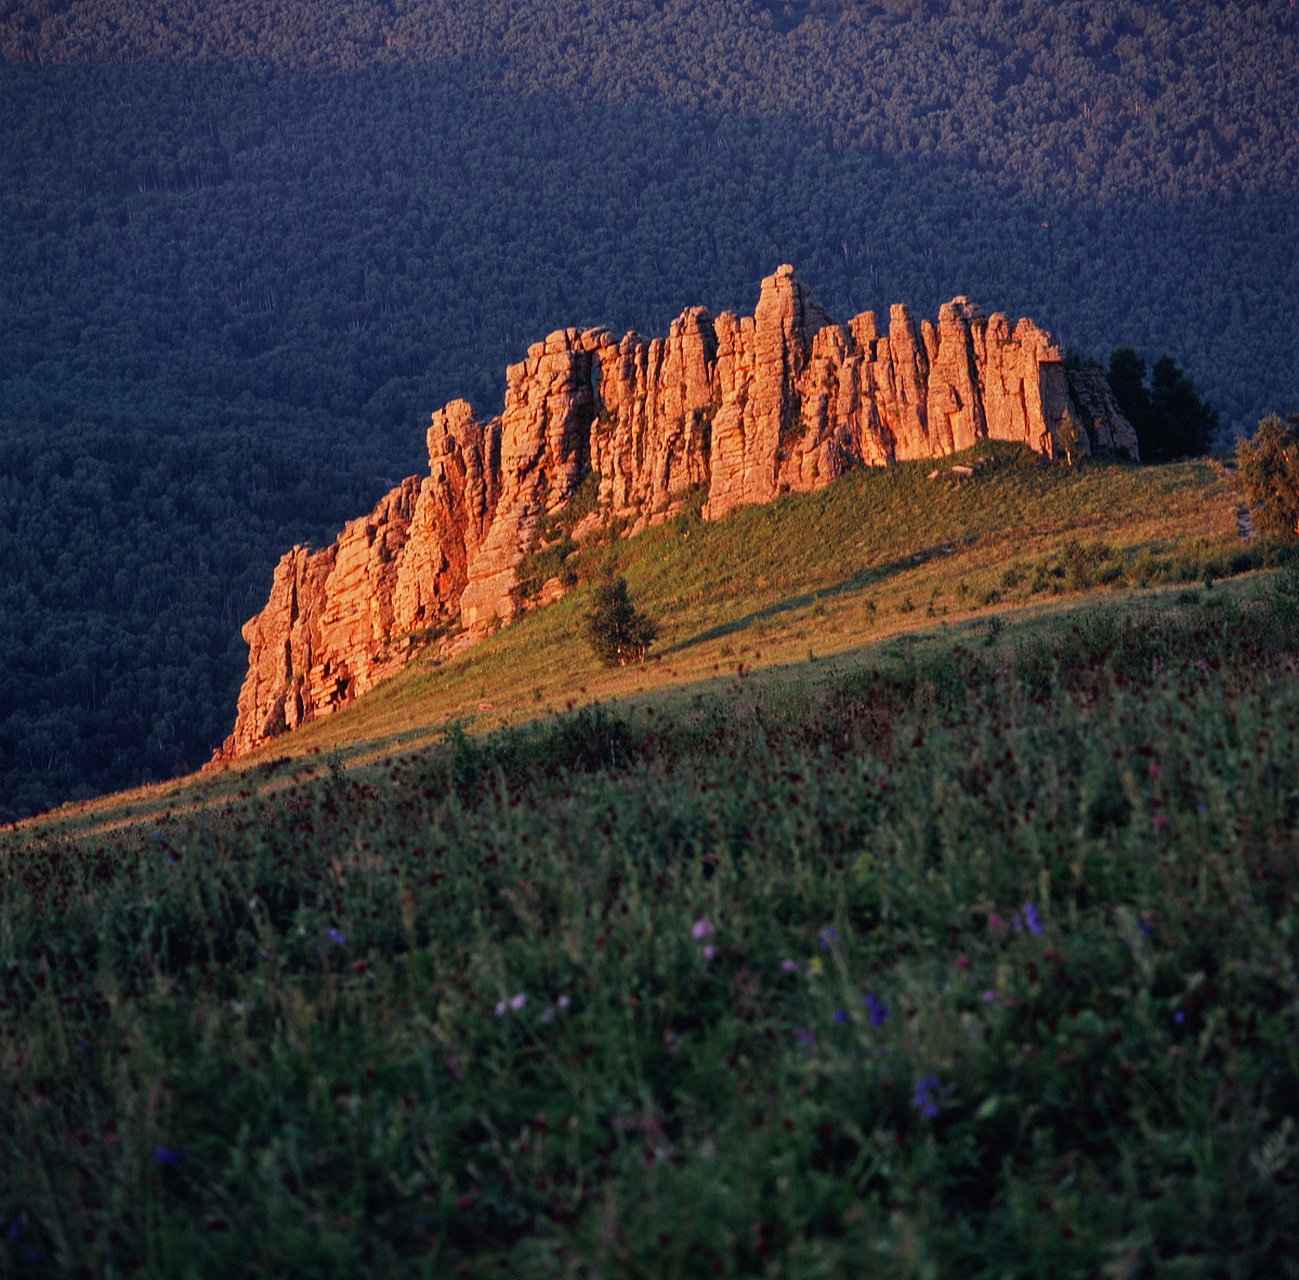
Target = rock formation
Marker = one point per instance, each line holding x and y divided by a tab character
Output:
737	410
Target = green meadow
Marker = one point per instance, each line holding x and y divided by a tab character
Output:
925	906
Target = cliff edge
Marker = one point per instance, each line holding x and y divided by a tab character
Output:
740	408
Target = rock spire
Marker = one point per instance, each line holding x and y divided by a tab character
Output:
738	409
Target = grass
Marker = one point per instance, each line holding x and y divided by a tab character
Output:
964	945
976	960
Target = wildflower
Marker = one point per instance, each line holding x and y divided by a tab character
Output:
924	1102
252	903
988	997
829	937
1031	919
994	922
840	1016
548	1014
789	966
962	962
1179	1017
805	1037
1144	926
500	1008
165	1155
463	1202
562	1003
1154	768
336	937
79	1045
709	952
700	929
875	1009
1161	821
517	1002
673	1042
1199	808
452	1064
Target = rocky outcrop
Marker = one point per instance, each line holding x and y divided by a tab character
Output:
735	410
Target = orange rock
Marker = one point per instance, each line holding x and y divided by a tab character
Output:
738	410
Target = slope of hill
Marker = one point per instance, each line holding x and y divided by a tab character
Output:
982	955
865	566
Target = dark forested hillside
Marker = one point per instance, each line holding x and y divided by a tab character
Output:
324	222
317	222
130	562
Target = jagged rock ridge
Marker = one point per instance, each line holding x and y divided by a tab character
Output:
740	408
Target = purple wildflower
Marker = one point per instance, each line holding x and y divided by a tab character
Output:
709	952
840	1016
789	966
517	1002
829	937
562	1003
875	1008
994	922
700	929
1179	1017
988	997
452	1064
923	1100
165	1155
805	1037
336	937
500	1008
1030	919
1144	926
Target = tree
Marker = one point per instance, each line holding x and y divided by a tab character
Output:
1269	469
1170	420
1184	422
619	633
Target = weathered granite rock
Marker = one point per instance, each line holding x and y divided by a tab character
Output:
735	410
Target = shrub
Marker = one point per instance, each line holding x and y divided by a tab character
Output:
619	633
1269	469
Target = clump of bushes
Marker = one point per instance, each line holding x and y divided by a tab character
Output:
618	631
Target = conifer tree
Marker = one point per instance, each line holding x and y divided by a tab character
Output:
619	633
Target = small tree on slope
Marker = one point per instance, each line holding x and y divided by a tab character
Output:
619	633
1269	469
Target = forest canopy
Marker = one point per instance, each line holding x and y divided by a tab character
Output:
130	562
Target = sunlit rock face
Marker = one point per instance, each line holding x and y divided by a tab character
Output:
736	410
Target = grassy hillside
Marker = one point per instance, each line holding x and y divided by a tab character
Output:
880	552
977	959
881	555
